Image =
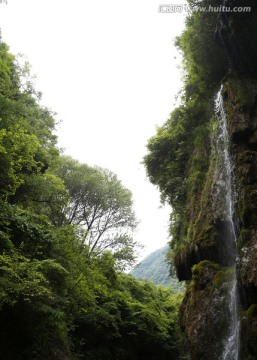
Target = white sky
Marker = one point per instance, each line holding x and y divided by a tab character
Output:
108	69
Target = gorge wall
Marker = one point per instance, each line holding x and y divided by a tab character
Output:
183	162
204	310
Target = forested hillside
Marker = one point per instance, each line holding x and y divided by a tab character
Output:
156	269
66	235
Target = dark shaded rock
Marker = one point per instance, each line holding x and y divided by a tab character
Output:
249	330
204	310
248	262
235	33
241	108
204	320
247	166
240	97
212	245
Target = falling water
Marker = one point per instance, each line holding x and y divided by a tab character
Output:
231	343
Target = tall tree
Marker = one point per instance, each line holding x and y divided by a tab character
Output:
101	207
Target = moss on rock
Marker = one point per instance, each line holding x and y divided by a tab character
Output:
252	311
204	309
223	276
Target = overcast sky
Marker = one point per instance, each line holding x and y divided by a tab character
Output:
110	71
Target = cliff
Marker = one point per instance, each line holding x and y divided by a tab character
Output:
219	271
205	320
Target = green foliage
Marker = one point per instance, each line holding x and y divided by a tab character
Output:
29	233
137	321
101	207
179	155
18	150
177	161
27	144
114	315
21	279
65	235
44	194
168	152
204	61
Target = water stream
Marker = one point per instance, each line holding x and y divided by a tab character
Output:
231	343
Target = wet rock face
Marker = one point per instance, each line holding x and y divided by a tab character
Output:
204	311
211	245
241	107
235	34
203	317
247	273
247	166
240	97
249	346
244	137
248	261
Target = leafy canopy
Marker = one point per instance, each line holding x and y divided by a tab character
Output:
66	232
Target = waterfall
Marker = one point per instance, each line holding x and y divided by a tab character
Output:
226	183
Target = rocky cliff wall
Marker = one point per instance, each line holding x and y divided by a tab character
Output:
206	262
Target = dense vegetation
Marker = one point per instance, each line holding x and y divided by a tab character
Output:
179	154
156	269
66	232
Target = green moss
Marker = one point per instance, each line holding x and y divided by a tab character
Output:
223	276
207	233
199	268
252	311
244	238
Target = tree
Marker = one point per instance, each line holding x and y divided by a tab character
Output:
27	142
63	226
44	194
101	207
204	61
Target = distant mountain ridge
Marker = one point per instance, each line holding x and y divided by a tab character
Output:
155	268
